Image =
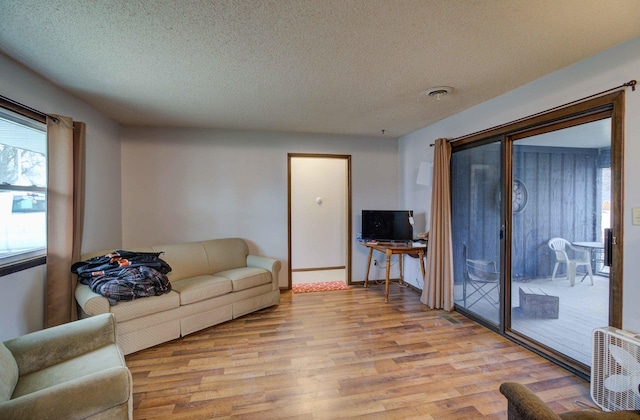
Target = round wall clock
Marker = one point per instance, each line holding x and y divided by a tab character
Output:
519	196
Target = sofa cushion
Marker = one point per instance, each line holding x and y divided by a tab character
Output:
225	254
103	358
246	277
186	260
199	288
136	308
8	373
88	255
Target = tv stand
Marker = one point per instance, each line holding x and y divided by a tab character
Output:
389	243
389	249
400	243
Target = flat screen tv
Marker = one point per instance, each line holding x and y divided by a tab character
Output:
387	225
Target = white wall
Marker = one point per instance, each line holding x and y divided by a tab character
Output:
22	297
194	184
22	302
598	73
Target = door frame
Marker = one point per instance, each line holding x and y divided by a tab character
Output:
606	106
348	247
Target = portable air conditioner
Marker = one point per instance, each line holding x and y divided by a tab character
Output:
615	369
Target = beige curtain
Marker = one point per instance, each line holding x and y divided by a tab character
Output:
65	216
438	284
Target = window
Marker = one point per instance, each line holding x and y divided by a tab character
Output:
23	188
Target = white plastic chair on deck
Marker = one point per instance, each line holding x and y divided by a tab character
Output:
580	257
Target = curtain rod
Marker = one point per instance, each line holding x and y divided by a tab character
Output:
631	84
28	108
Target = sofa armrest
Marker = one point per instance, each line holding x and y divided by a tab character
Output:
40	349
91	303
266	263
79	398
524	404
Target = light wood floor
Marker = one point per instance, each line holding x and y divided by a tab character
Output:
343	354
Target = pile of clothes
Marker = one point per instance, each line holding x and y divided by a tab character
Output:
125	275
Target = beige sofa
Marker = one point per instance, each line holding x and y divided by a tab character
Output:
212	282
71	371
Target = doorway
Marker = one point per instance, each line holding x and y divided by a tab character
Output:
559	285
319	212
531	203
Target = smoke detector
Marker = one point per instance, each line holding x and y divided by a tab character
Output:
438	91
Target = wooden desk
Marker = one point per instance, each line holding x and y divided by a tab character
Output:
390	249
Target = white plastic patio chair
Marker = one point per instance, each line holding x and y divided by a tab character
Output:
581	256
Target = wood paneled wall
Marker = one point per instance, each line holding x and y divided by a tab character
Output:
564	199
475	206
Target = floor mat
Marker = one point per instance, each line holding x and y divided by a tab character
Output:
324	286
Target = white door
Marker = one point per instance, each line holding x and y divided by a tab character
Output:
318	214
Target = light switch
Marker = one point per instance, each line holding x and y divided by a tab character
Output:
635	216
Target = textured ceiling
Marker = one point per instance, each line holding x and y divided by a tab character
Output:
314	66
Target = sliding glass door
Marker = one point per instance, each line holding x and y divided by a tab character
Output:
561	201
475	207
530	203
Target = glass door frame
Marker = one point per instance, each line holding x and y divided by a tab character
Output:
469	313
605	106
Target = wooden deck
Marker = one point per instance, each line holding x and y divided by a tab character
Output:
343	354
581	309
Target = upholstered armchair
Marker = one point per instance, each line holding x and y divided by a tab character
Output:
525	405
70	371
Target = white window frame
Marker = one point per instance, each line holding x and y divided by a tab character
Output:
36	255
